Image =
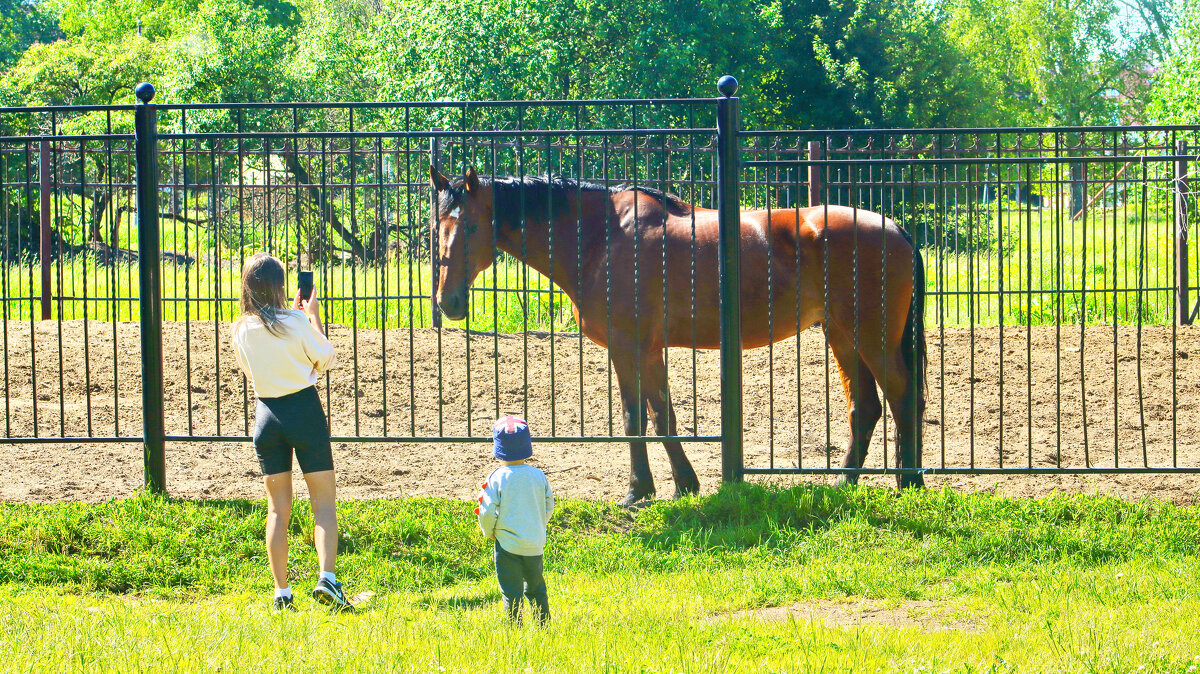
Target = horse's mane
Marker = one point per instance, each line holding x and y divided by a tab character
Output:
539	193
673	204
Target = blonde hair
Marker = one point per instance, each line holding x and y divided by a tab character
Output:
263	292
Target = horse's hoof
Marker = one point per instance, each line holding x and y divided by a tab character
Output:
687	488
846	481
910	481
634	496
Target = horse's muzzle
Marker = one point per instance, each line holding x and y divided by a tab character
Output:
454	306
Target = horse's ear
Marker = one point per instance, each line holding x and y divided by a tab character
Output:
472	179
439	181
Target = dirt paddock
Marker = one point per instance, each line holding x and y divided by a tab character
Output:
1022	403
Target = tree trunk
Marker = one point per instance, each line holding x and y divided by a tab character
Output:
292	161
99	206
1077	188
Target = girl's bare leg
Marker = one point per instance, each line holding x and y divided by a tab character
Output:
279	512
322	494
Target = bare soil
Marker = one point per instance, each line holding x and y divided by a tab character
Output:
924	615
994	401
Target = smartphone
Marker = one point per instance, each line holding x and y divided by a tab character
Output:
306	284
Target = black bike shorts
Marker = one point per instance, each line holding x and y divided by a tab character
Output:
292	422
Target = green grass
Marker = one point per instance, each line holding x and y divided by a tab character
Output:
1053	269
1064	583
1118	265
520	300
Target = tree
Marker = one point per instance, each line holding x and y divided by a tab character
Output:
23	23
1050	61
1176	95
1157	21
850	63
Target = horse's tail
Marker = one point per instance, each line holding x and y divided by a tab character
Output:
913	347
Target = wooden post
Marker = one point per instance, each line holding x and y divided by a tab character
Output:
44	203
435	151
1183	311
814	173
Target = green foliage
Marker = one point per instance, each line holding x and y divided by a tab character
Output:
830	63
802	63
1176	95
1051	61
23	23
873	63
235	51
955	228
83	71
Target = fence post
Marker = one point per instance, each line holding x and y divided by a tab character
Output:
729	263
44	213
145	126
814	173
1183	309
435	151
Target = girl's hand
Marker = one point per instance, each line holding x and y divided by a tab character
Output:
296	303
311	306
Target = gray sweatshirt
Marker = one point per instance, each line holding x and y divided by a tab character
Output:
514	507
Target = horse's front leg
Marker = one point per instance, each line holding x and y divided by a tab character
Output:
629	381
658	395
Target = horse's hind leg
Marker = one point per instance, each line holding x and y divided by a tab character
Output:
908	408
658	395
862	401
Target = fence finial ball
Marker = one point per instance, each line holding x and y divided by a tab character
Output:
144	92
727	85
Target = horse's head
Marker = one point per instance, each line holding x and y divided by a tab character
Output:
466	245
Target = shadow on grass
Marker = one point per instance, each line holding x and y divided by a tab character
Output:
241	507
742	516
484	600
962	528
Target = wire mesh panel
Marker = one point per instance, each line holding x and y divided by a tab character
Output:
1056	315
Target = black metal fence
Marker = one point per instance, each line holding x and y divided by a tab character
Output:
1060	295
1058	278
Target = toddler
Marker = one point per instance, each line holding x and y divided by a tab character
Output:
514	507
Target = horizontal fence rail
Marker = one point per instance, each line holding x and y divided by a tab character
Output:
1058	280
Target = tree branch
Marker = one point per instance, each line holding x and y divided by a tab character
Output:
291	159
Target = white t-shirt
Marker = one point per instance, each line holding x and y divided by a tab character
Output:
281	365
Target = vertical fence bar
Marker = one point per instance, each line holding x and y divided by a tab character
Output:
44	211
435	151
1182	307
814	173
145	124
729	258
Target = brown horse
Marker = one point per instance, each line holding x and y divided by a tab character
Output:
857	274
